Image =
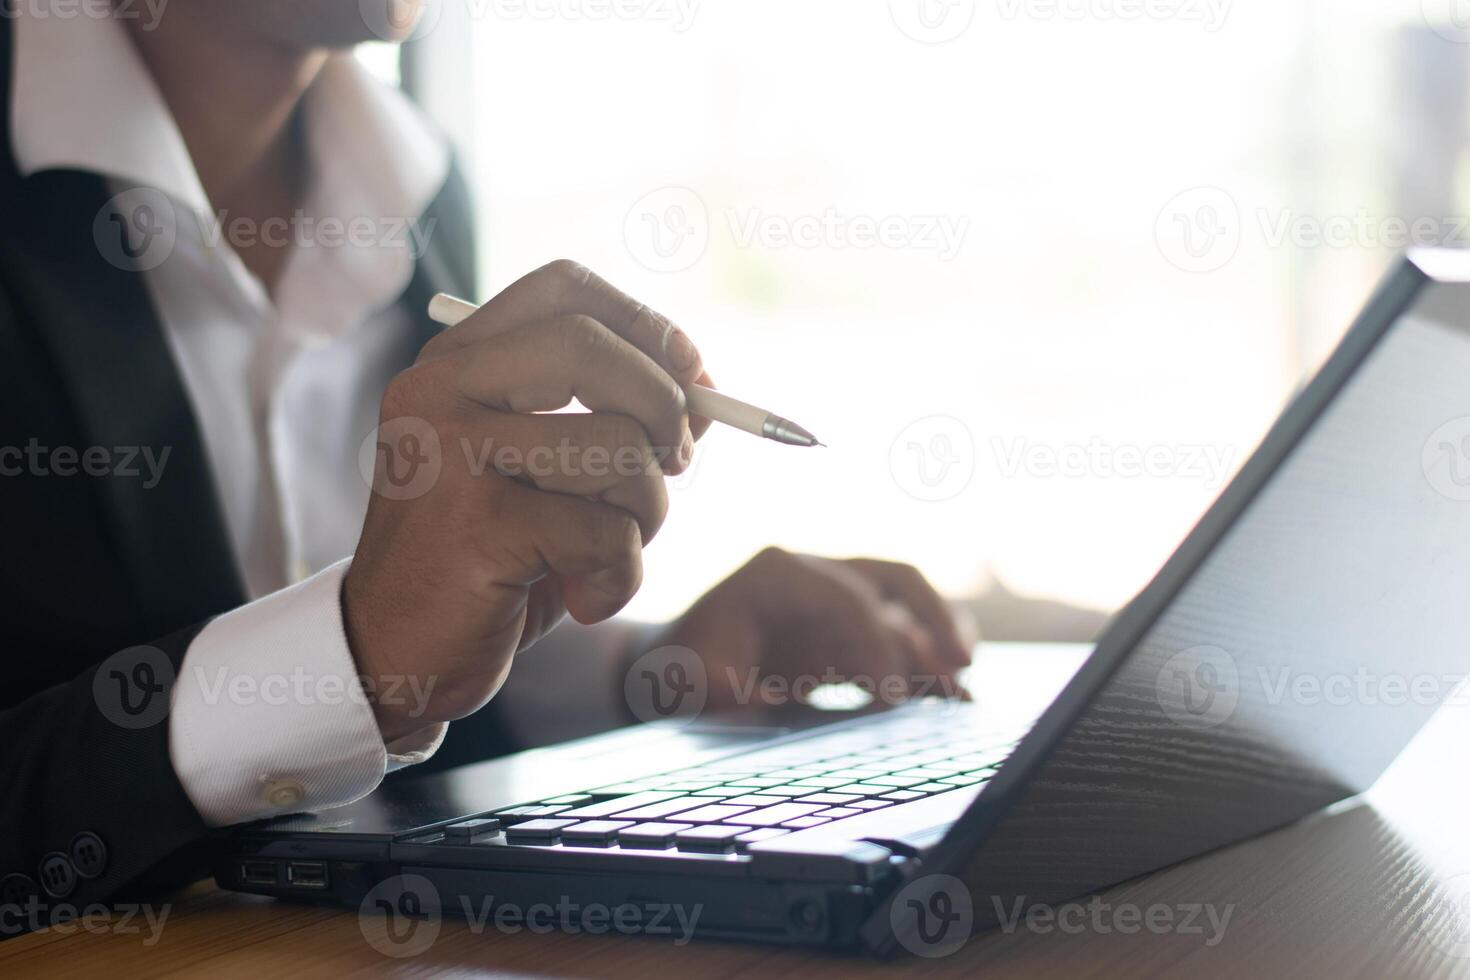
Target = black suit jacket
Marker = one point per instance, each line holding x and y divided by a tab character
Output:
90	808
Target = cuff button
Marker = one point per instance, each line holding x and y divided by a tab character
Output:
88	855
283	793
58	877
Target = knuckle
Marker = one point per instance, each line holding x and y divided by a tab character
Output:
579	335
617	534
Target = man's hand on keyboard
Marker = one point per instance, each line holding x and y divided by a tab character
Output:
804	620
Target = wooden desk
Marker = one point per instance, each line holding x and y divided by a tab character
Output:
1374	888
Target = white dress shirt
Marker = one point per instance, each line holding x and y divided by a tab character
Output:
267	714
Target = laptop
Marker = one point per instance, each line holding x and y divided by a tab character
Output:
1281	659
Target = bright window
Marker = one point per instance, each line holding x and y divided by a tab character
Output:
1086	237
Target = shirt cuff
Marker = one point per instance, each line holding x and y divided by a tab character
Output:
268	714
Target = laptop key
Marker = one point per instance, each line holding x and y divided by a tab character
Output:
962	780
713	814
902	782
664	808
743	842
575	799
710	838
903	796
538	830
608	807
766	790
466	829
932	788
545	811
593	831
802	823
831	799
837	812
772	815
650	836
755	800
870	804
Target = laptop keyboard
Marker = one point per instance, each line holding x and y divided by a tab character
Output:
726	805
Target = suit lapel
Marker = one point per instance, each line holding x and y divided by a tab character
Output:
128	396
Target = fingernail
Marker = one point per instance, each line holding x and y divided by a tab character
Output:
682	355
686	450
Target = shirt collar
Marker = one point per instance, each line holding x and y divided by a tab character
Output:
82	99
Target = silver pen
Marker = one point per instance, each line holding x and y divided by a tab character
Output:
713	405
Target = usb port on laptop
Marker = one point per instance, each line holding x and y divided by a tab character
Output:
307	874
259	873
